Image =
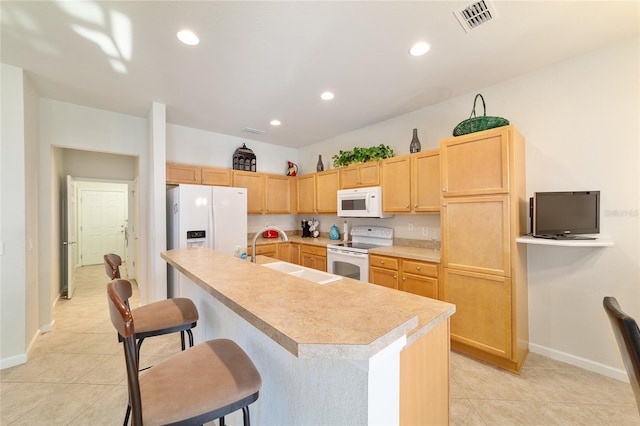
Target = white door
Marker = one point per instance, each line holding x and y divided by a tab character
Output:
70	248
102	225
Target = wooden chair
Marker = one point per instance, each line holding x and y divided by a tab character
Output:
627	335
195	386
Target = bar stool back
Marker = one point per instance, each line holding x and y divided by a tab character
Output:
195	386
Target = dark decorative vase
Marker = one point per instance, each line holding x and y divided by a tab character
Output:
319	166
414	146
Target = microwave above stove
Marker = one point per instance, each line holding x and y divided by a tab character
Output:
361	202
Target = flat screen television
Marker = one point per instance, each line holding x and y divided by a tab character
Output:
565	215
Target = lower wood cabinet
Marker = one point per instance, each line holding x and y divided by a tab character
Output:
413	276
420	278
383	270
269	250
313	257
289	252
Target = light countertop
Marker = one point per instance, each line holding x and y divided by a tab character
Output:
345	319
407	252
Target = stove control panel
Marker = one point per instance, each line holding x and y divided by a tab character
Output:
372	232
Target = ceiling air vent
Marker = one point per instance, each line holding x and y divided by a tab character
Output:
476	14
254	131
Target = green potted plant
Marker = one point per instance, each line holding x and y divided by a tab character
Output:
362	155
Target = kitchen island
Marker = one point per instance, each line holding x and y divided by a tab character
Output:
342	353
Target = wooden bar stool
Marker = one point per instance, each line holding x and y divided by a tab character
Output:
195	386
158	318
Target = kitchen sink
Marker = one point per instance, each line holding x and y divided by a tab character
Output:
318	277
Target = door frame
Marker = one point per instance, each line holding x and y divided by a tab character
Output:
131	200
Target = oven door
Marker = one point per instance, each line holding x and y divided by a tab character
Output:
348	263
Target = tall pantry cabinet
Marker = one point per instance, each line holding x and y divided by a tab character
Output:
484	209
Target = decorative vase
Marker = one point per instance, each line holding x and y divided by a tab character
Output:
319	166
414	146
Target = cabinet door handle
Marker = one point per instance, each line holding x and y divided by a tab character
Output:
418	268
444	189
415	206
382	262
404	278
407	207
395	277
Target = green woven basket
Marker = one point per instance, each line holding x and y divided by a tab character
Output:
476	124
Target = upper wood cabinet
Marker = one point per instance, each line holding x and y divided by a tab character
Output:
327	185
277	194
306	191
215	176
476	164
266	193
411	183
254	183
182	173
360	175
317	192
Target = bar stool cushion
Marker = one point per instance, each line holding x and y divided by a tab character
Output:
164	314
198	380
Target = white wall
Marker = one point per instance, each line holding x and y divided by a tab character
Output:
31	147
64	125
13	219
194	146
580	119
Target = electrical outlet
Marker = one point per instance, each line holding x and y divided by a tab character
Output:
410	226
425	231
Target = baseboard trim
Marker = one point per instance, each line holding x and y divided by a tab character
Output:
47	328
587	364
12	361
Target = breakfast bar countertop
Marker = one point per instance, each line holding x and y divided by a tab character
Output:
344	319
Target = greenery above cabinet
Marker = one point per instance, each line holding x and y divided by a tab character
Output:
362	155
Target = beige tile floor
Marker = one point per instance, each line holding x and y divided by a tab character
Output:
75	376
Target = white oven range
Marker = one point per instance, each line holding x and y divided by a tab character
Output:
351	258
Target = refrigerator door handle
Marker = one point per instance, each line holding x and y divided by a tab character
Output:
212	230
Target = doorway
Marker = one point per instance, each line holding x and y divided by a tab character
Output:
102	222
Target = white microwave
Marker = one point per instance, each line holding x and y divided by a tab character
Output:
361	202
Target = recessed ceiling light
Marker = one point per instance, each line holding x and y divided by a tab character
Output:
188	37
419	49
275	122
327	96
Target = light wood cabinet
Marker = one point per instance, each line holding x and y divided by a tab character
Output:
360	175
413	276
270	250
317	192
255	189
215	176
425	181
306	189
266	193
383	270
477	164
289	252
277	194
484	209
327	185
313	257
411	183
182	173
420	278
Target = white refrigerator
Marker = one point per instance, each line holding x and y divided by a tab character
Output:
204	216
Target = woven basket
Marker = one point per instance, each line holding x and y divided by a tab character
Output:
476	124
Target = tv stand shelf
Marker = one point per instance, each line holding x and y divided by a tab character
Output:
527	239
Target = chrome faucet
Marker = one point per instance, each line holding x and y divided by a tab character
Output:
282	234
